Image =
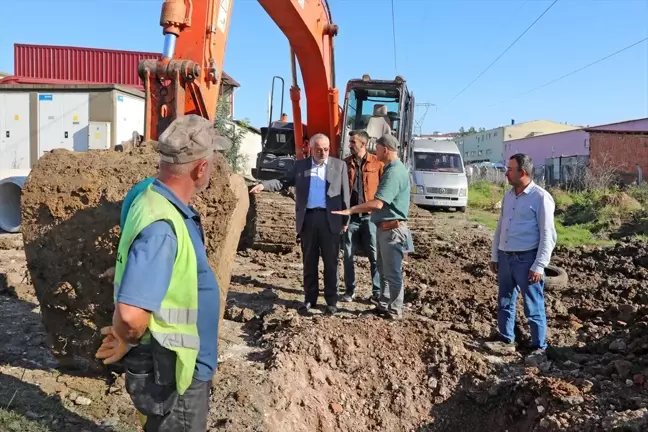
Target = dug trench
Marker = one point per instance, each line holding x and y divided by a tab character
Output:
279	371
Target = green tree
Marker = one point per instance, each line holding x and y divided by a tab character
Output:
235	132
472	130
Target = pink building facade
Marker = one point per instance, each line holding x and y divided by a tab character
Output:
569	143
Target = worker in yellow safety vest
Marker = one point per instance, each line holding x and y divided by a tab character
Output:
165	324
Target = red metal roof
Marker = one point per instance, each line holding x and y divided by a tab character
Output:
616	131
89	65
14	79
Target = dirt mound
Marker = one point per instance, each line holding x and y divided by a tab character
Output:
620	200
522	401
365	374
606	275
70	221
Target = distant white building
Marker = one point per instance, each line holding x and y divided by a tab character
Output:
250	146
488	146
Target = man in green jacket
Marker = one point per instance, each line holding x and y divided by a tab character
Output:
165	325
389	211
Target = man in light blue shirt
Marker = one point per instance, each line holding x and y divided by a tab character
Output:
317	187
524	240
321	186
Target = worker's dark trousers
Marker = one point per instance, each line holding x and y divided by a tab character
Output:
318	240
151	384
189	413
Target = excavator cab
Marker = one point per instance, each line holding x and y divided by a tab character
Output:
278	153
379	107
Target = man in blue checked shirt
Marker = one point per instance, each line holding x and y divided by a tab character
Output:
524	240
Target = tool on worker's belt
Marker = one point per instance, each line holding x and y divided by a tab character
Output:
112	348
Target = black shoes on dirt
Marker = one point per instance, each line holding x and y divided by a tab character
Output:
387	314
304	308
347	298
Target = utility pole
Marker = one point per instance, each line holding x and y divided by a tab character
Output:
418	124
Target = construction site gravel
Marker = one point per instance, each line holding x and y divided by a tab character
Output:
279	371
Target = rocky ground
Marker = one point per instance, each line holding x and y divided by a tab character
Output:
279	371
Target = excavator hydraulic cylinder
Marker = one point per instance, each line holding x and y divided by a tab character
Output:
169	46
173	16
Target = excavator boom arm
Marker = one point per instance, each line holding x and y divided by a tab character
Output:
187	79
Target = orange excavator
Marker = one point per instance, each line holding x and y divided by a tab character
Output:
186	79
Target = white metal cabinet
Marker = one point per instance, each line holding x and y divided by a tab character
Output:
130	117
63	121
99	138
14	131
76	119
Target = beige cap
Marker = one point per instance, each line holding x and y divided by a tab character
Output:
389	141
190	138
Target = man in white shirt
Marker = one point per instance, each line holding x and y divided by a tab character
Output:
522	246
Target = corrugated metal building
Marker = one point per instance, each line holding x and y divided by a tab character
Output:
86	64
79	64
93	65
72	97
36	117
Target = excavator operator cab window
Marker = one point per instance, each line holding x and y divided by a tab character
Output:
375	110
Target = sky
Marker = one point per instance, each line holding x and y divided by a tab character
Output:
441	46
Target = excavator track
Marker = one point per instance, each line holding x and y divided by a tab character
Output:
271	223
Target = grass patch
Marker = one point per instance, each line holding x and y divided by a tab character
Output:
562	199
484	195
639	193
582	218
602	211
12	421
578	235
486	218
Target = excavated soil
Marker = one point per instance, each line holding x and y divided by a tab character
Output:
279	371
366	375
360	373
70	223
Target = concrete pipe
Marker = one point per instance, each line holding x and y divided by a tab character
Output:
10	192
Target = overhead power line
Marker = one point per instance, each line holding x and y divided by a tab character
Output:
394	36
504	52
572	72
418	124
